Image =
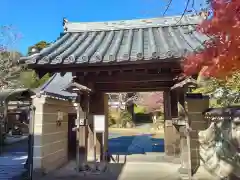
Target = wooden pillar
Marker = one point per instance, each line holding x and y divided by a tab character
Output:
167	124
172	137
82	131
82	147
106	122
99	106
90	137
174	103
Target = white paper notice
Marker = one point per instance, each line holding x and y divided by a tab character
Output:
99	123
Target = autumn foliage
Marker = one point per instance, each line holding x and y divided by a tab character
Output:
151	101
221	56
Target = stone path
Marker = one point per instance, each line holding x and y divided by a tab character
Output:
128	171
137	144
141	163
12	165
13	159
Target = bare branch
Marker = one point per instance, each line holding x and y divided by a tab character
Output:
184	12
168	6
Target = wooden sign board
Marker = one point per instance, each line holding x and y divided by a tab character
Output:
99	123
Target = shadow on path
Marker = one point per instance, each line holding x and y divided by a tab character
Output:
137	144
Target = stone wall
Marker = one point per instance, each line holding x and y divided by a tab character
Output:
50	139
219	148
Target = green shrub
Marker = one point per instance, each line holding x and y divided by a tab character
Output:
111	120
125	117
139	109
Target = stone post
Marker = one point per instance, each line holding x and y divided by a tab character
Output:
38	121
196	105
184	151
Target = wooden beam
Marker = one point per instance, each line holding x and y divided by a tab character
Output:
129	77
132	87
136	84
127	89
94	67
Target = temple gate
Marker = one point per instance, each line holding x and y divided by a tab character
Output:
121	56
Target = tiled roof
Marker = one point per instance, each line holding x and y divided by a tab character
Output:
108	42
55	86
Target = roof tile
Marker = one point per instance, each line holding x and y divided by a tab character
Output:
133	40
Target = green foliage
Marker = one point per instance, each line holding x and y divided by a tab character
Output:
43	79
121	118
223	92
139	109
111	120
160	118
29	79
39	46
113	116
125	118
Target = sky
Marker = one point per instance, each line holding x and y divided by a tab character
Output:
42	20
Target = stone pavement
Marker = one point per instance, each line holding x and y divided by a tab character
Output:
12	165
13	159
128	171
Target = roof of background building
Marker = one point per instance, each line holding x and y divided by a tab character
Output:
55	86
123	41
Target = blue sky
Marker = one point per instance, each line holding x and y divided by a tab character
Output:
42	20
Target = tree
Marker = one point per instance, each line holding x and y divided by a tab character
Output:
152	101
39	46
29	78
224	92
221	56
9	69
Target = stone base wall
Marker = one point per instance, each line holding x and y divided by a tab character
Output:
50	137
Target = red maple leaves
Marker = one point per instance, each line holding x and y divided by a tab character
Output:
221	56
